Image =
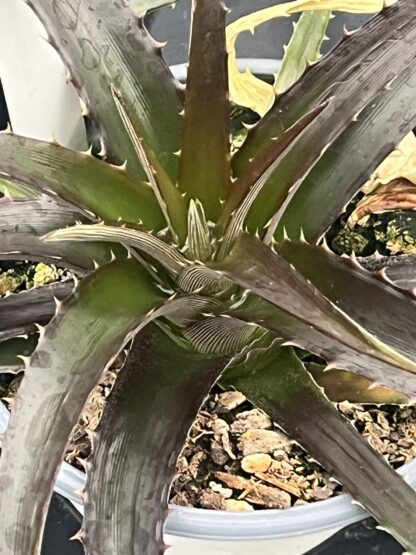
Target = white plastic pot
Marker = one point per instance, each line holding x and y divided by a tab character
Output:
268	532
40	102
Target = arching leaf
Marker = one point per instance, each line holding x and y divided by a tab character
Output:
150	411
90	36
296	311
82	339
278	383
101	189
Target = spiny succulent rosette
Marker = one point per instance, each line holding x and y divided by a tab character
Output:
184	256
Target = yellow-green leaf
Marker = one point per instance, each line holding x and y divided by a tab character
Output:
245	88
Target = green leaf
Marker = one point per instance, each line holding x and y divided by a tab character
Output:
303	48
381	309
199	235
12	350
15	190
101	189
299	313
333	75
24	221
102	43
170	200
254	93
149	411
378	67
141	240
196	278
278	383
248	187
334	180
86	334
219	335
205	157
19	313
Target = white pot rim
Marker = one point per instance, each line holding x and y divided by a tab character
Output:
257	66
268	524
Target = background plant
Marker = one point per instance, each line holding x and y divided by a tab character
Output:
185	252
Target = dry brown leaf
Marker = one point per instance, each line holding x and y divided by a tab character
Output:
257	493
399	194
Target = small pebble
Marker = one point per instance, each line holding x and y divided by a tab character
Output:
236	506
211	500
262	441
218	454
258	462
250	419
219	427
230	400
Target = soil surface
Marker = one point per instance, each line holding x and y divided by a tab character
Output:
237	459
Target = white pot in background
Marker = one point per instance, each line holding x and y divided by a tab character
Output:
41	103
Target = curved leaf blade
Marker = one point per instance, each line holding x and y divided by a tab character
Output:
328	78
349	98
341	385
25	221
249	186
105	191
141	240
128	480
170	200
91	36
246	89
14	190
275	382
400	270
383	310
299	313
334	180
303	48
19	313
87	332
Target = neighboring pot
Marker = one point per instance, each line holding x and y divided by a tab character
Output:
40	102
266	532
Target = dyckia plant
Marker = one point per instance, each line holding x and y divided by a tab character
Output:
202	265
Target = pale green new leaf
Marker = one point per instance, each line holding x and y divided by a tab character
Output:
101	189
303	48
141	240
16	190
